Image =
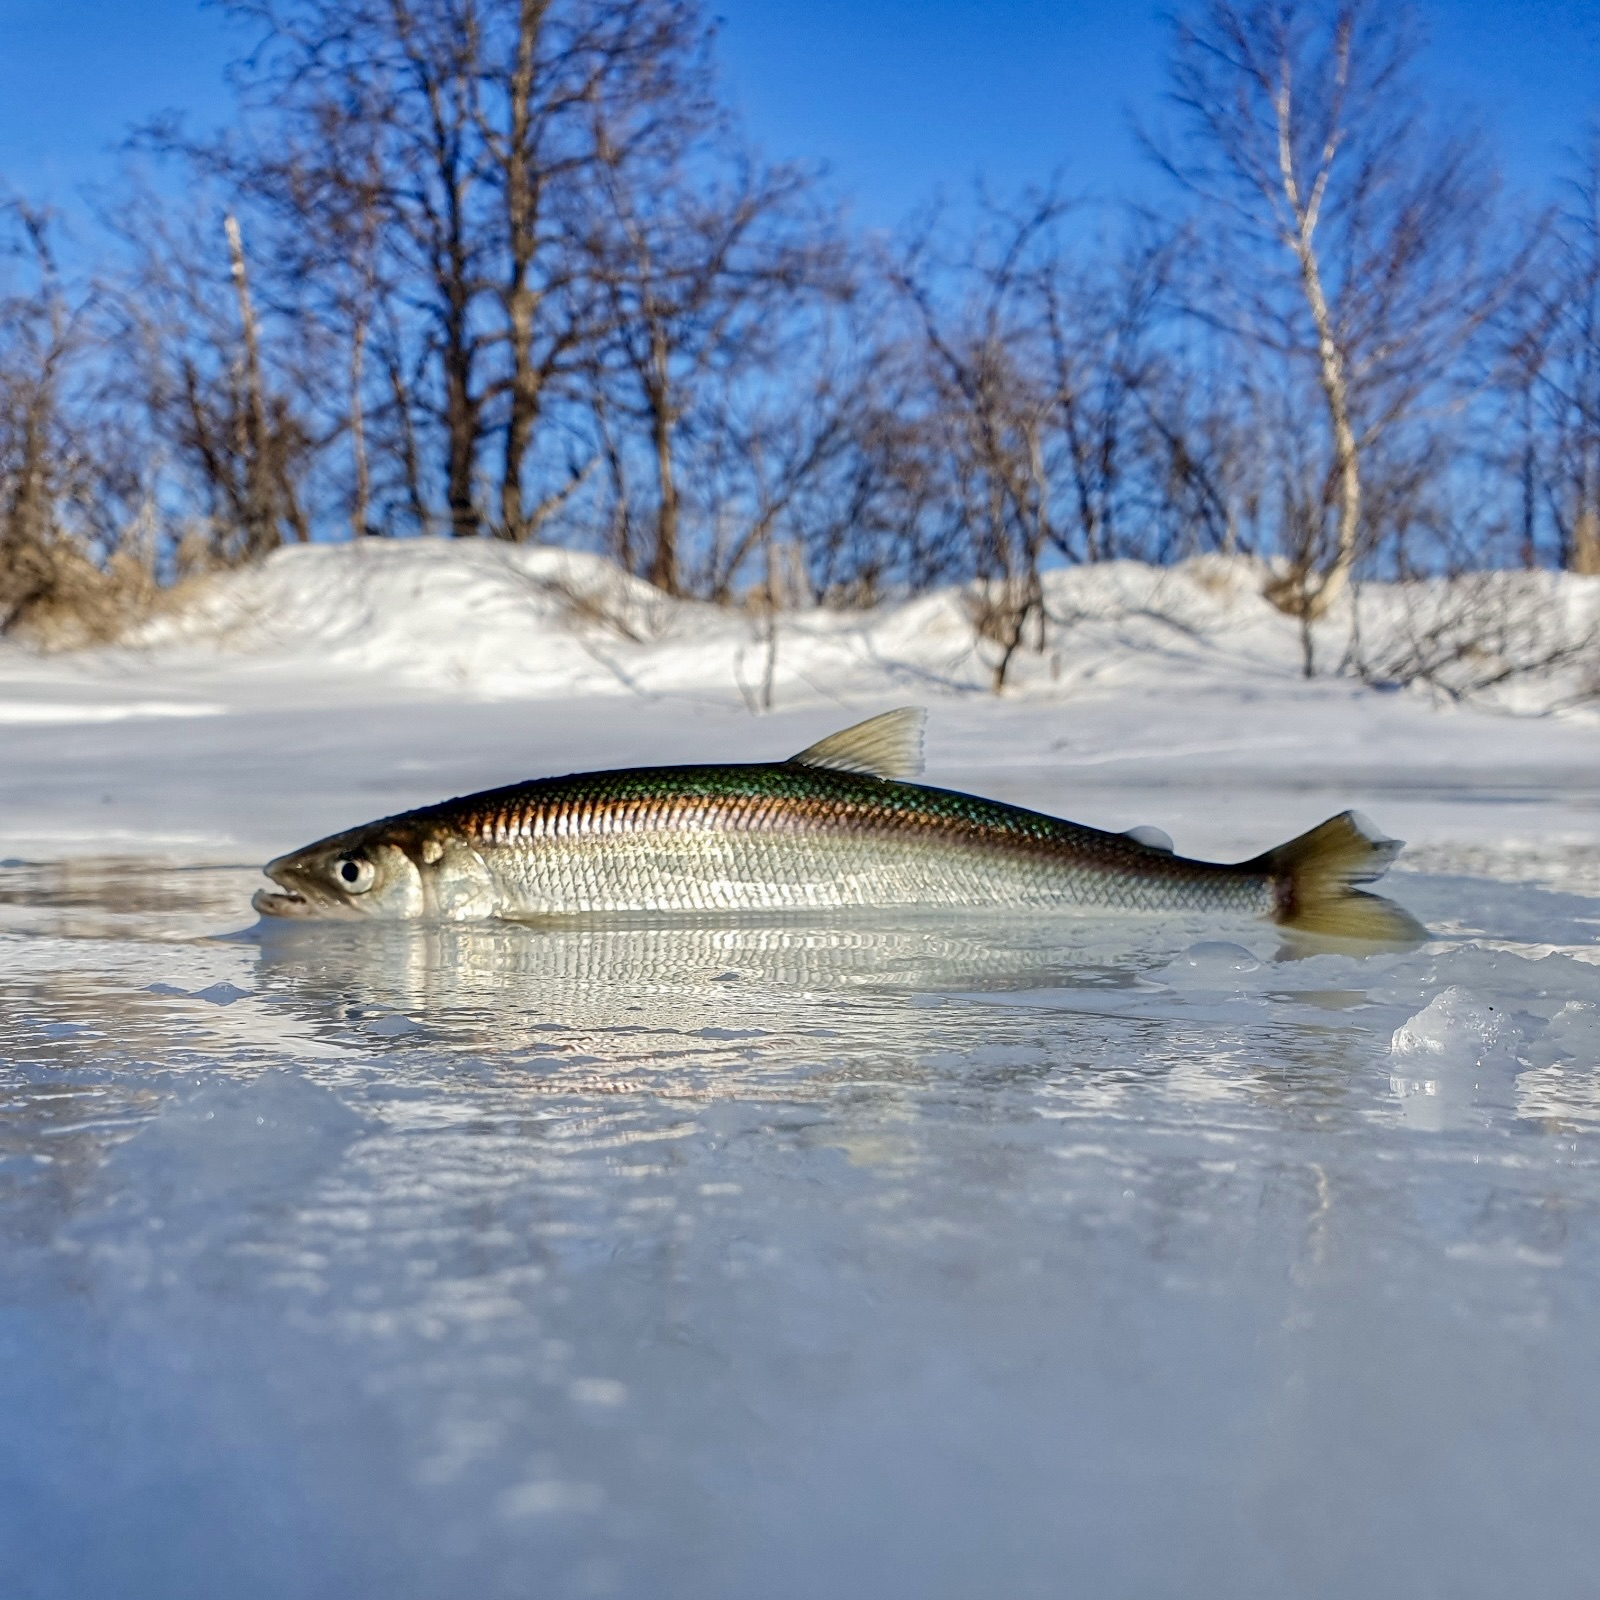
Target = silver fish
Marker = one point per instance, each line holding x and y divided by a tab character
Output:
838	825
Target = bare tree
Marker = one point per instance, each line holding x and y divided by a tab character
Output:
1349	243
426	165
1201	435
1033	360
35	325
232	395
567	73
996	420
262	476
1551	372
77	502
1097	319
705	261
878	521
763	468
365	117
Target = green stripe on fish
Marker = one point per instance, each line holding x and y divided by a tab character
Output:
837	826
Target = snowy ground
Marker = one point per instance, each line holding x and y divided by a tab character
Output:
893	1258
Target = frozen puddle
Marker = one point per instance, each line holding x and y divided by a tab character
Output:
924	1259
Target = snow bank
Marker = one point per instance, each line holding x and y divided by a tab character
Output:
336	683
518	621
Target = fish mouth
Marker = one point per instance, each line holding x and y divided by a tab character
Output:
294	896
281	903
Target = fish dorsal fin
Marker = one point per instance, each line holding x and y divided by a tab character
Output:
1151	838
889	746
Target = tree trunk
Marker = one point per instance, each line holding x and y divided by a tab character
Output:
664	564
1331	583
617	471
1308	592
410	460
358	432
25	527
453	265
521	301
523	412
261	523
461	423
1586	542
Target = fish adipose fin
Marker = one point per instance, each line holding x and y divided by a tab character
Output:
889	746
1314	877
1151	838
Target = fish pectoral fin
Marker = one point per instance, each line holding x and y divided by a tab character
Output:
888	746
1151	838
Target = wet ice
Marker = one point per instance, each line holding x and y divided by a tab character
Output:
895	1257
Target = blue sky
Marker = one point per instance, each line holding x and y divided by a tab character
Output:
897	97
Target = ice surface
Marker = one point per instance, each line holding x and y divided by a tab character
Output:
795	1260
901	1256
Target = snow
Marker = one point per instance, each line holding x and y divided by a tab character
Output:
512	620
895	1256
335	682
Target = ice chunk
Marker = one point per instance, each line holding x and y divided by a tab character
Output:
221	994
393	1026
1563	1084
1454	1028
1458	1052
1211	964
216	994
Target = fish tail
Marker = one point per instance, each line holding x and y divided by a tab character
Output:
1314	877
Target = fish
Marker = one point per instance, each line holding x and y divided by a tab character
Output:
841	825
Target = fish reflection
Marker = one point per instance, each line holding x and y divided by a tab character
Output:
615	1006
592	973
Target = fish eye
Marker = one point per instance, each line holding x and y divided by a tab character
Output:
355	875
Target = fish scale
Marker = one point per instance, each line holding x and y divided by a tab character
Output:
791	836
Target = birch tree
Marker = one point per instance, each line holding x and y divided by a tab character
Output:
1349	240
